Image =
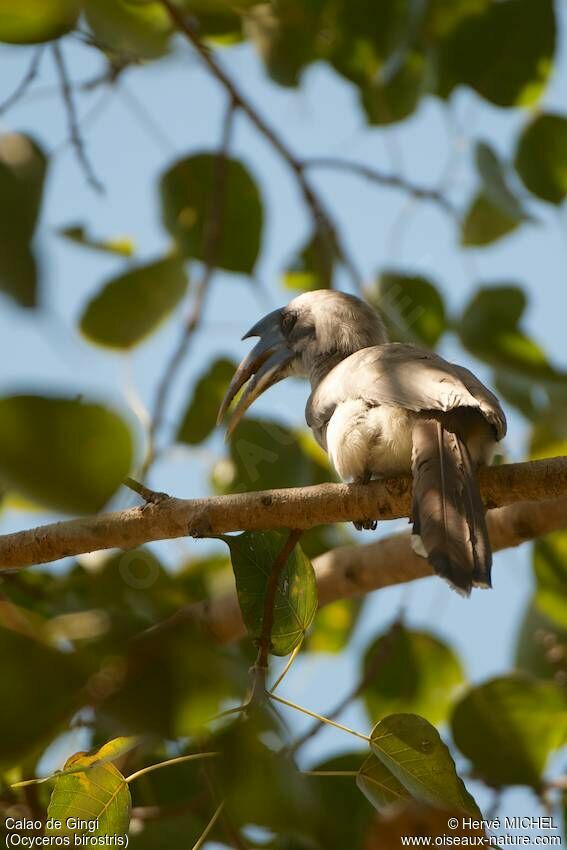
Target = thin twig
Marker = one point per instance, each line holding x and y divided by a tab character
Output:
393	181
25	83
149	496
168	763
287	667
322	220
203	837
319	717
260	668
76	138
212	239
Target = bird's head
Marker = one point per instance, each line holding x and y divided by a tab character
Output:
306	338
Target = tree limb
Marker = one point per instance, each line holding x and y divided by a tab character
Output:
297	507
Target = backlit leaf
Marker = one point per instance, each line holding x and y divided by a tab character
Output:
312	267
67	454
132	305
253	555
132	30
412	307
379	786
32	21
550	567
119	245
508	728
541	157
200	416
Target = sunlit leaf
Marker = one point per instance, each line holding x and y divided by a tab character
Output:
35	21
100	795
192	211
200	416
253	555
412	750
508	728
415	672
333	626
131	30
378	785
505	53
549	436
67	454
132	305
550	567
23	168
312	267
541	648
484	222
34	705
123	246
541	157
412	307
392	97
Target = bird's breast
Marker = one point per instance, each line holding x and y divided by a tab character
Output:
365	440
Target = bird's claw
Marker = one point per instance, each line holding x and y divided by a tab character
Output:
366	524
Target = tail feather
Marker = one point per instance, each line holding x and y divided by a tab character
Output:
448	514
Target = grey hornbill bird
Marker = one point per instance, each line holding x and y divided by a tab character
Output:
385	409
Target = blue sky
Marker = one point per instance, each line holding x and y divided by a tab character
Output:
164	111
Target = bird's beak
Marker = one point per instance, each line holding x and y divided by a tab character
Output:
263	367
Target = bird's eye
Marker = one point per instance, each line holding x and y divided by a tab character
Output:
288	321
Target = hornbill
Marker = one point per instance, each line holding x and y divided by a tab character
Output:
383	409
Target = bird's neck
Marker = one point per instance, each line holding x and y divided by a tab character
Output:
322	364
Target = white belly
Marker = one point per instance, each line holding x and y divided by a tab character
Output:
374	440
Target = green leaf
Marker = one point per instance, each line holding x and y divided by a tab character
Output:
34	705
549	436
393	97
129	29
190	210
67	454
253	555
412	750
412	307
541	157
495	211
33	21
264	454
550	567
505	53
344	816
134	304
415	672
333	626
77	233
99	793
23	167
312	268
541	648
379	786
508	728
200	417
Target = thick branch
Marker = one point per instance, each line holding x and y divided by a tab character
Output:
301	508
357	570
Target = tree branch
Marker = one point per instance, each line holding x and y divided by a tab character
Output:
297	507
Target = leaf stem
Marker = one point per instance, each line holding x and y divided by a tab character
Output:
319	717
287	667
203	837
330	772
177	760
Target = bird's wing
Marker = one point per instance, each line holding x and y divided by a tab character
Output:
406	376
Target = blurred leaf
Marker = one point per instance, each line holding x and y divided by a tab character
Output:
23	167
412	307
100	794
392	97
200	417
188	190
495	211
253	555
32	21
508	728
333	626
379	786
550	567
442	16
312	267
77	233
412	749
549	436
264	455
36	703
505	52
415	672
289	36
541	157
67	454
132	305
171	682
428	823
541	648
345	815
132	30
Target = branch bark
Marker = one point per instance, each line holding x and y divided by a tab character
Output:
300	508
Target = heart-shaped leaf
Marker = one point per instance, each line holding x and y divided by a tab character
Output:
200	416
541	157
379	785
35	21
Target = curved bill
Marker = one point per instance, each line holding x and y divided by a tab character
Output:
265	365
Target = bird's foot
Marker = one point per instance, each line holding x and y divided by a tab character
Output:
366	524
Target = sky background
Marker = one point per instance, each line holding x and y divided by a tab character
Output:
164	111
